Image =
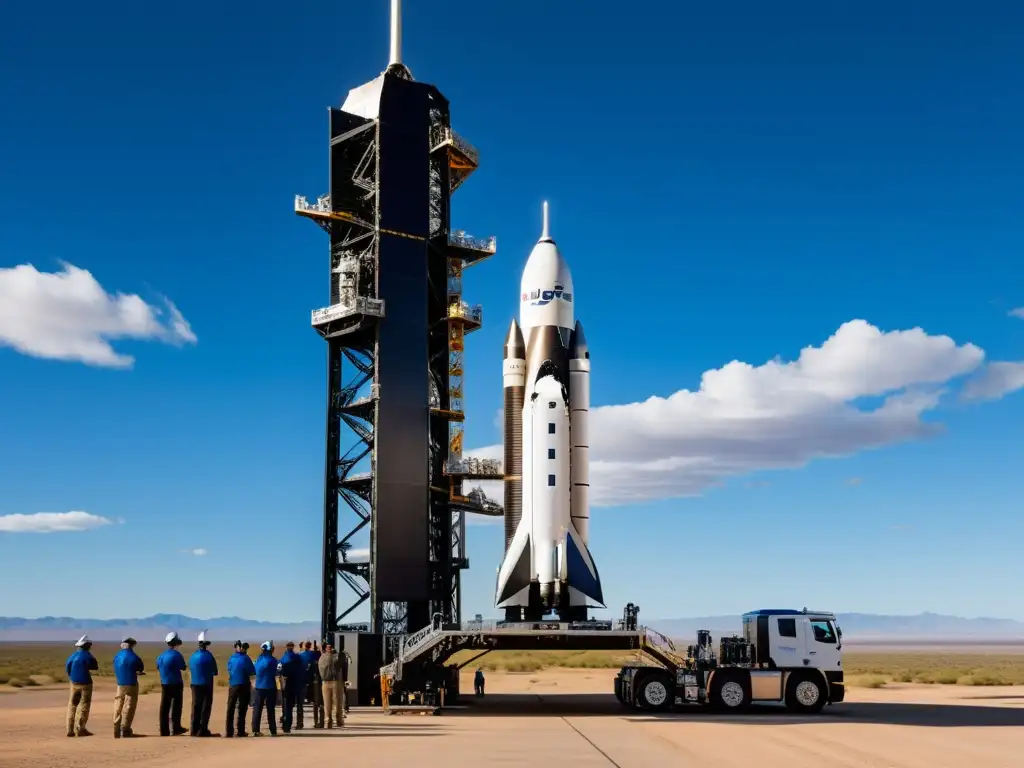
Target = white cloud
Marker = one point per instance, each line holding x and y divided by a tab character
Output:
361	555
51	522
68	315
1018	312
994	381
197	552
773	416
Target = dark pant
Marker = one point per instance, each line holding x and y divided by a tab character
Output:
171	697
264	697
292	701
238	697
202	704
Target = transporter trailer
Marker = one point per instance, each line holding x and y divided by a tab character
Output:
783	656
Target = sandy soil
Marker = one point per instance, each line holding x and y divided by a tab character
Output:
569	713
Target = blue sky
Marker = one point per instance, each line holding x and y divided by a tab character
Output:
727	183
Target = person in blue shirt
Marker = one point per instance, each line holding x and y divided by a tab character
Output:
293	683
127	668
310	656
171	664
266	689
79	667
202	669
240	672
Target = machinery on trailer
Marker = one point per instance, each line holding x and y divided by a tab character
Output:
783	656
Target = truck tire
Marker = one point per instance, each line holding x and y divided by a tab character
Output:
729	692
656	692
618	690
806	693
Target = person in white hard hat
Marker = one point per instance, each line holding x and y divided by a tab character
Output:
79	666
171	664
202	669
266	689
127	668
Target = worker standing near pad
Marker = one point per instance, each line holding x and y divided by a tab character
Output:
329	667
127	668
240	672
266	692
79	667
313	694
171	664
202	669
293	679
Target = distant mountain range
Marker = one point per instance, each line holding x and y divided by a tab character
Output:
857	628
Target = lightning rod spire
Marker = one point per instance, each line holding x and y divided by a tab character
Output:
545	232
396	33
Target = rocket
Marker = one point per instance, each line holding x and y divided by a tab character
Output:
547	567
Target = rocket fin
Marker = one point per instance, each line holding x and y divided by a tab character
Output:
517	578
582	573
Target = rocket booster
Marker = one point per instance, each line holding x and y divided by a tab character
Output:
547	566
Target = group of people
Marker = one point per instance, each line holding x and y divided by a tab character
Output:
307	675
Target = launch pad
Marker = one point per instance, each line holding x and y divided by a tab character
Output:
420	671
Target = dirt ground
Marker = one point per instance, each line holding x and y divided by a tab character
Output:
569	713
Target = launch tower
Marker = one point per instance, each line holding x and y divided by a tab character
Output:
395	329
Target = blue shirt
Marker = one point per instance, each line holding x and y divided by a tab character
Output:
266	671
79	665
127	666
309	660
292	668
240	669
202	667
171	664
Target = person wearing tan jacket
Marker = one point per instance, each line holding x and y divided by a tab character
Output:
332	686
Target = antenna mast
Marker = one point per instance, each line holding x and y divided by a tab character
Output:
395	64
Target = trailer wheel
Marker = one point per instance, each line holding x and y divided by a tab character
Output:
618	690
729	693
656	692
805	693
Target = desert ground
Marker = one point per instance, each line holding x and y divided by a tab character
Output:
570	712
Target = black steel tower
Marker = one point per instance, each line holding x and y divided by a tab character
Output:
395	330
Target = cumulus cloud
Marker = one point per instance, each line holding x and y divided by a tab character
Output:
994	381
51	522
197	552
862	389
67	315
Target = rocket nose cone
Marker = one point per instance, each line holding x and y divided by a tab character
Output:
578	348
514	344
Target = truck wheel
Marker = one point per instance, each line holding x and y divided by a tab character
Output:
729	693
656	693
805	693
618	690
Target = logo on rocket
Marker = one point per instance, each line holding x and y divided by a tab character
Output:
539	298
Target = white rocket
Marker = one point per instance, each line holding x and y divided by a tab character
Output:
546	369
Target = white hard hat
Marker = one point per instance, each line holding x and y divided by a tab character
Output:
202	637
171	637
267	646
83	640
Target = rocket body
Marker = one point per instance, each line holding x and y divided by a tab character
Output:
547	566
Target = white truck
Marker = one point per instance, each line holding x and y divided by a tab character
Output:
784	656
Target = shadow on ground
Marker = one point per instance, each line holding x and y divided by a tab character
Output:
582	705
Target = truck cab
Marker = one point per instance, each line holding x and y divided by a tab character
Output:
789	639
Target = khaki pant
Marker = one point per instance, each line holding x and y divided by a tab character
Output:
79	701
334	702
125	701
